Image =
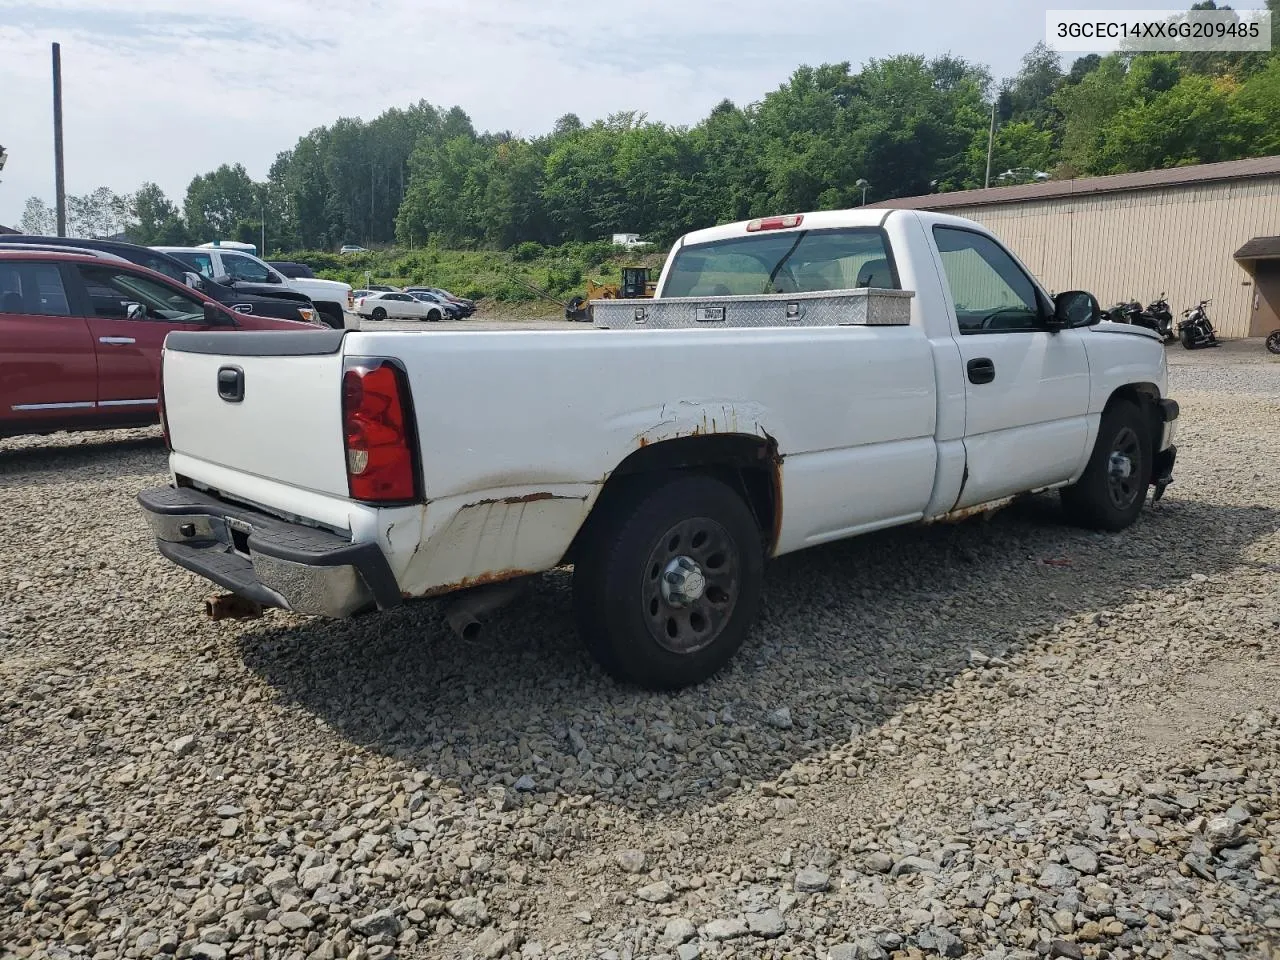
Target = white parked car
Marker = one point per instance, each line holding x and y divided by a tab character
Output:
811	378
331	298
394	305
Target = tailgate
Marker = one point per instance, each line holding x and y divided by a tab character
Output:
267	403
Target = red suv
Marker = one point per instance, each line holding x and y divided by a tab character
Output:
80	339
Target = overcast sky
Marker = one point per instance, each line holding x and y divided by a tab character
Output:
163	89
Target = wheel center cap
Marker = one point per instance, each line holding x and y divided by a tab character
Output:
683	582
1121	466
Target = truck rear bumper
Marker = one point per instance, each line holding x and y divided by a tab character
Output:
263	558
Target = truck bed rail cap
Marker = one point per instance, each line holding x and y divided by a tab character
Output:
256	343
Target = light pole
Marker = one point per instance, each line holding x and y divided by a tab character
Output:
864	185
263	201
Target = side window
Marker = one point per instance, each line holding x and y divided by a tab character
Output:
990	291
34	289
202	263
165	266
242	268
112	290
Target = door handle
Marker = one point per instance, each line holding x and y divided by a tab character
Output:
116	340
981	370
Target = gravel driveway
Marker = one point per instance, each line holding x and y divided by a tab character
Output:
998	739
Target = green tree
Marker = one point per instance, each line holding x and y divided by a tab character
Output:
218	202
38	218
157	221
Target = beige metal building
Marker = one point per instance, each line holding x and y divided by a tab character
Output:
1206	231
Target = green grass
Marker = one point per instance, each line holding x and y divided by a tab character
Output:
504	277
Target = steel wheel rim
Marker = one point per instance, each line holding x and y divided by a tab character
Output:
682	625
1124	469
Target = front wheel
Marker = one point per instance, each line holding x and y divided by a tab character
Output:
1110	493
667	582
1185	336
433	316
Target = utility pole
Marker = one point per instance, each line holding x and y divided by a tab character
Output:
991	139
60	184
263	200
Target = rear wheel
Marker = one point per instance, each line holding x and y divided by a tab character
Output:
379	313
667	582
1110	493
333	318
1273	341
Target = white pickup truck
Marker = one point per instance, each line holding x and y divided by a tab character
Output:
333	473
332	299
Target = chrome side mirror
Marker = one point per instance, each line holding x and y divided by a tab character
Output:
135	311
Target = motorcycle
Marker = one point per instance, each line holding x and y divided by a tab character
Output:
1156	317
1195	331
1159	311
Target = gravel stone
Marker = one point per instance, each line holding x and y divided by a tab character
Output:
768	923
632	861
1221	831
659	892
1082	859
469	911
729	929
911	865
679	930
811	880
689	951
383	923
1055	876
877	863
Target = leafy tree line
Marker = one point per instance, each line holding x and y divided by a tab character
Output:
899	126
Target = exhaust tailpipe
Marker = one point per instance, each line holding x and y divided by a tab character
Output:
464	615
231	606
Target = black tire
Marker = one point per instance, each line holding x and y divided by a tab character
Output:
1104	498
625	613
378	313
433	316
337	321
1185	336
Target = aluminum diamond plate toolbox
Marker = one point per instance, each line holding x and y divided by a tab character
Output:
866	306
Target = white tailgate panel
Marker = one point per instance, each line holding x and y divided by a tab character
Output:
288	428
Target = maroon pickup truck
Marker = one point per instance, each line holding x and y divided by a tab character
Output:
80	339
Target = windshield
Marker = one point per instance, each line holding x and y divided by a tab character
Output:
798	261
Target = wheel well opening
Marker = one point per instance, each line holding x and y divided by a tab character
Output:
749	464
1146	396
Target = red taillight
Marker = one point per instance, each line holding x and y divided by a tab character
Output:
378	431
164	424
776	223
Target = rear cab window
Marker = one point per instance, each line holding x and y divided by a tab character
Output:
795	261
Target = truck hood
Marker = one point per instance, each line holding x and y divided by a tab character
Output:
1110	326
324	288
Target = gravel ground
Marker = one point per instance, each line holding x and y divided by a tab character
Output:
998	739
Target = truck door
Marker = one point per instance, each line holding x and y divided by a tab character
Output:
1026	387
